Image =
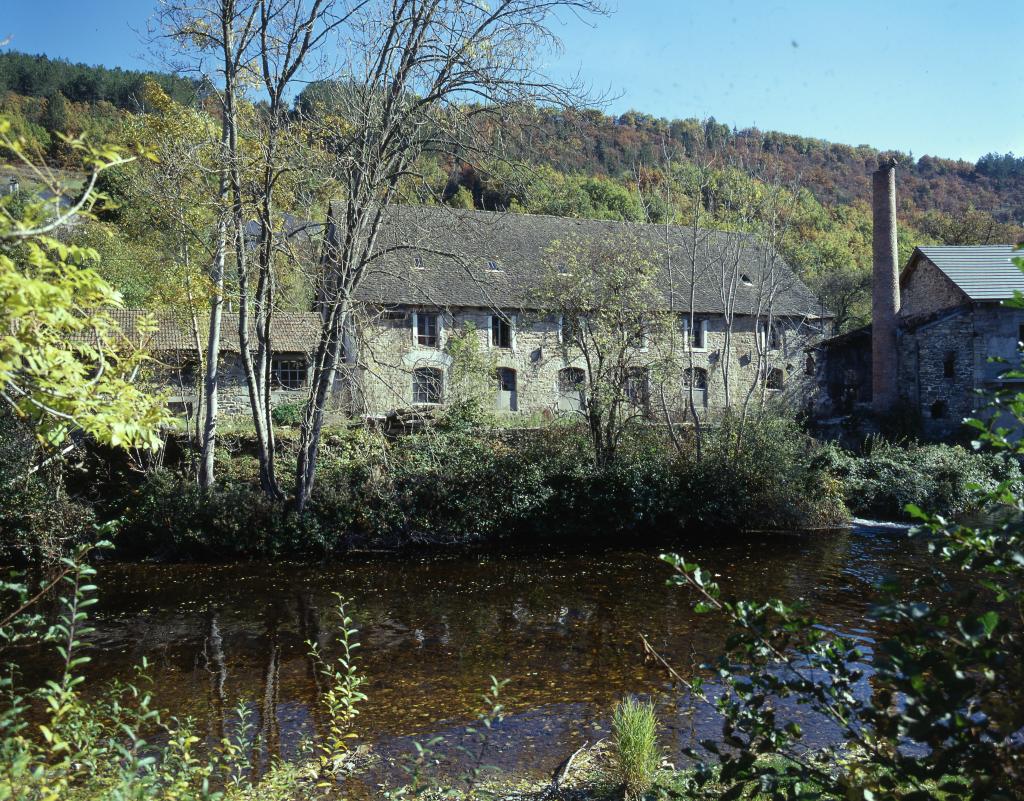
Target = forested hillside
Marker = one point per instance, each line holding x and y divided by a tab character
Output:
632	167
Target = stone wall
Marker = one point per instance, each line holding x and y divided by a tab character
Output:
387	356
937	372
926	291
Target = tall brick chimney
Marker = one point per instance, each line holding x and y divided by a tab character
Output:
885	289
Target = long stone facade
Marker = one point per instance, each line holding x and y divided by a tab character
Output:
441	270
533	372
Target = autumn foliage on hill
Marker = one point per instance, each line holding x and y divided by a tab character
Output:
633	167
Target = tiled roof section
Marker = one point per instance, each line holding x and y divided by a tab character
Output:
294	332
442	257
983	272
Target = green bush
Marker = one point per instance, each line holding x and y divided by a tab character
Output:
764	472
288	413
889	476
636	755
39	520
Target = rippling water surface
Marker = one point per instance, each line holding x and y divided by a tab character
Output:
562	628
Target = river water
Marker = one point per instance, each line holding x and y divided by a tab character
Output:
562	628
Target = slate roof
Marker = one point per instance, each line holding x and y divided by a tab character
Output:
454	248
296	332
982	272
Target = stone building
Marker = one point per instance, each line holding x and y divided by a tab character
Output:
443	270
941	330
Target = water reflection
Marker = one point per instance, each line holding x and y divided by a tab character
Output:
562	628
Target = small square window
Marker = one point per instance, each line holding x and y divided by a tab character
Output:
492	266
427	385
288	373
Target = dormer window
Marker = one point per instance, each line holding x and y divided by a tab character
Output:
417	262
745	280
492	267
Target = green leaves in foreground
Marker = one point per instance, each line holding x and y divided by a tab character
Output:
932	706
65	364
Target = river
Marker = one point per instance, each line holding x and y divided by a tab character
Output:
562	628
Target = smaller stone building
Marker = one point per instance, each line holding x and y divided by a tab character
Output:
177	342
955	338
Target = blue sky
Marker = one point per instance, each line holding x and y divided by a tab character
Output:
938	77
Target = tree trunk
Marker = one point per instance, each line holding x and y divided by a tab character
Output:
325	368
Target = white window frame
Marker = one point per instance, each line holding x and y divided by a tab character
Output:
688	339
441	388
416	329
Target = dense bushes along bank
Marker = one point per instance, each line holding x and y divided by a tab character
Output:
457	484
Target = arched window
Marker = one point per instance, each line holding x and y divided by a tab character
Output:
775	379
696	377
427	385
570	379
571	385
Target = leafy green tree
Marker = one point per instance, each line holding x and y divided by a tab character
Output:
606	298
65	364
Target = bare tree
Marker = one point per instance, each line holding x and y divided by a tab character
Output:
611	311
288	34
214	41
416	77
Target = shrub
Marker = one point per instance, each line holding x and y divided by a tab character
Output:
764	472
288	413
635	752
889	476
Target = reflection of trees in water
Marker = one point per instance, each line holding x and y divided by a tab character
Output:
563	627
269	729
213	653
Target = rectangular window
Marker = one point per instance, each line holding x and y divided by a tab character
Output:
695	335
501	332
949	365
636	386
776	339
568	330
427	383
288	373
426	329
1020	334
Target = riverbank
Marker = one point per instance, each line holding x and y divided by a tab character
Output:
463	487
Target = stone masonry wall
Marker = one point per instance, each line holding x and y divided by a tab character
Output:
926	354
927	291
387	357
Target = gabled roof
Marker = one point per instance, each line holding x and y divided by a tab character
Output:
982	272
440	256
293	332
